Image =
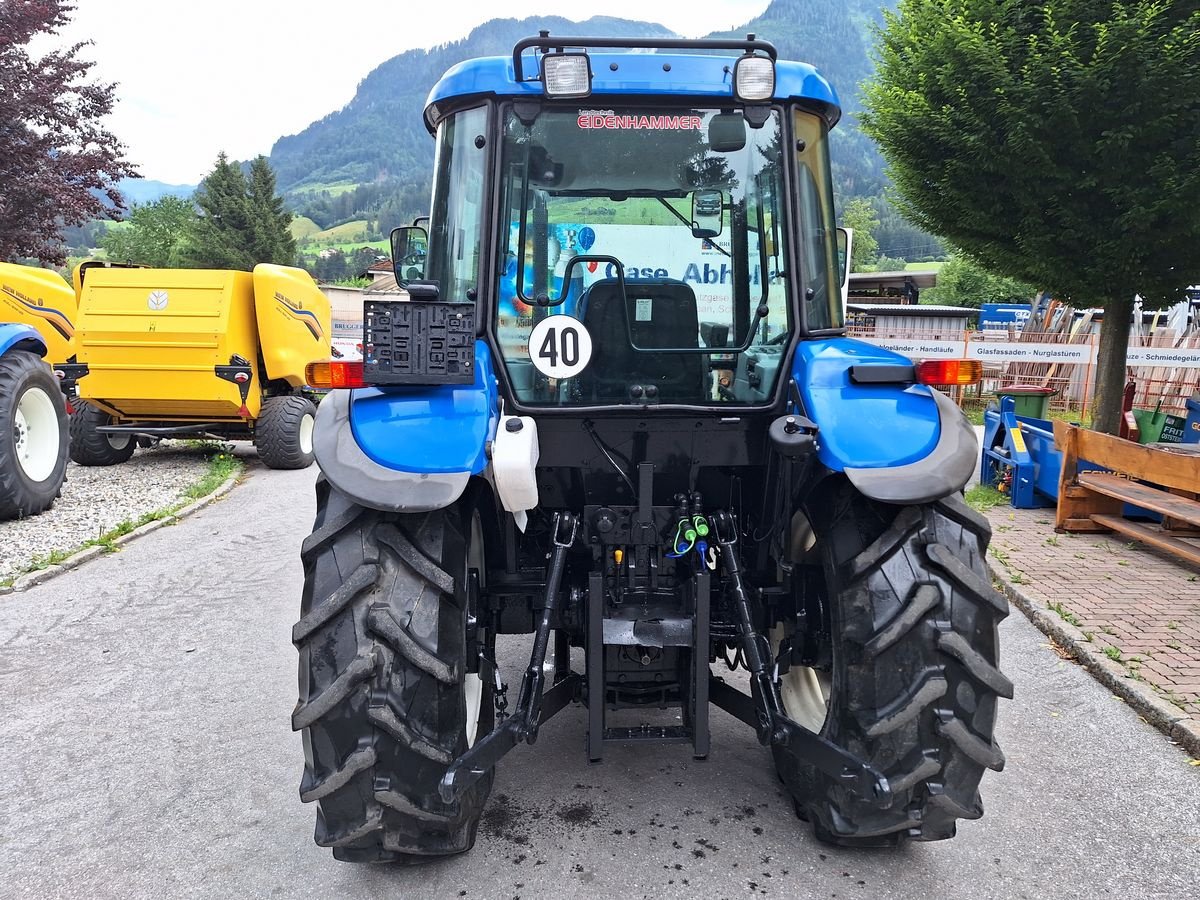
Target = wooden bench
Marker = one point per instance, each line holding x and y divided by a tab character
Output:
1093	500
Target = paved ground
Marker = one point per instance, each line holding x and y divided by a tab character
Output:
147	753
1143	604
96	499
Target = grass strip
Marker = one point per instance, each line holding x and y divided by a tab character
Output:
983	497
221	465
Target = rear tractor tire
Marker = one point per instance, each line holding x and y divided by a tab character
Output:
283	433
387	700
33	435
91	448
913	682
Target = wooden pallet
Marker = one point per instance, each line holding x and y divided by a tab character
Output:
1149	534
1093	500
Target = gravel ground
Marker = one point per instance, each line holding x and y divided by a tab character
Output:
96	499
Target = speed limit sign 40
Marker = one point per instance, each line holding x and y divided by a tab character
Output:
560	346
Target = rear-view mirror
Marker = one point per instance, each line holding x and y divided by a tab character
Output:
845	236
727	132
706	213
410	244
845	243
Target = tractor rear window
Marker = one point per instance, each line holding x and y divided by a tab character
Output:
643	257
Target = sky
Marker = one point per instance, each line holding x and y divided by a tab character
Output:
202	76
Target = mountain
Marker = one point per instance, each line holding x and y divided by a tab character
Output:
373	158
829	34
378	140
142	190
834	36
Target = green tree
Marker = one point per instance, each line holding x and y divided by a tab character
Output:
962	282
860	215
156	234
59	164
1054	143
222	238
270	223
885	263
242	221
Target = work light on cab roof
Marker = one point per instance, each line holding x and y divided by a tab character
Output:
567	74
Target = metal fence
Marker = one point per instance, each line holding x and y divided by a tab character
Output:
1165	369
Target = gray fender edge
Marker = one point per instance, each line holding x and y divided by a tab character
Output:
946	470
365	481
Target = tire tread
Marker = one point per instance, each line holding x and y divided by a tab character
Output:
277	432
917	662
20	497
88	446
380	702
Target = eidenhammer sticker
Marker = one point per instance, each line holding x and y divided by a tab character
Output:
560	346
605	118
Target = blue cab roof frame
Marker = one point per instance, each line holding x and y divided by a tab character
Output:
637	74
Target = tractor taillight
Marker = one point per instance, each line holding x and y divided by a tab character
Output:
949	371
335	373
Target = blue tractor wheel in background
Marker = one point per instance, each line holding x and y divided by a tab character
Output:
33	435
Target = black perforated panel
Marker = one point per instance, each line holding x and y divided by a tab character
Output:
410	342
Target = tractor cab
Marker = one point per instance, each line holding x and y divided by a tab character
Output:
634	229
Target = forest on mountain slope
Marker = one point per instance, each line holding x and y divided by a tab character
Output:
372	159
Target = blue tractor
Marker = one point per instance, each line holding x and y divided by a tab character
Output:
617	412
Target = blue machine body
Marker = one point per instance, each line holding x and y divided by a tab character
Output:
430	429
23	337
446	428
1191	427
1025	446
866	426
689	76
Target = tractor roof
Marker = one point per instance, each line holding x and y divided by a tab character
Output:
672	76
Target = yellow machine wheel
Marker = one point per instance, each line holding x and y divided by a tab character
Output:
91	448
283	432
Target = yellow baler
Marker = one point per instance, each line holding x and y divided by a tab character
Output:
40	297
168	352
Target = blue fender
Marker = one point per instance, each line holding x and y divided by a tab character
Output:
22	337
900	443
408	449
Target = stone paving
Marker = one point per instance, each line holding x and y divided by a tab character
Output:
1137	606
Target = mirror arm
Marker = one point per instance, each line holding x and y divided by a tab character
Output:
673	211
